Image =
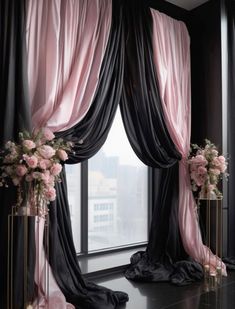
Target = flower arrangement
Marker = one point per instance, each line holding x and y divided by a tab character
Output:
206	168
33	164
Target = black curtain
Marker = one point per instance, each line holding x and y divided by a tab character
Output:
14	117
142	114
88	137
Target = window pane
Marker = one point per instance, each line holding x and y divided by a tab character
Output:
73	175
117	188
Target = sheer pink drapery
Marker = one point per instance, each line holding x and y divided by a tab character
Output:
55	299
171	48
66	42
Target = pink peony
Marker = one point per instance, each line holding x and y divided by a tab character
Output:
46	151
223	167
211	187
221	159
202	170
21	170
198	178
50	194
48	134
198	160
29	144
216	161
44	164
62	154
32	161
56	169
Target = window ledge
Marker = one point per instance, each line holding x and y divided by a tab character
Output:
107	263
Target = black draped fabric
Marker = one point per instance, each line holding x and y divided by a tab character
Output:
142	113
88	136
14	116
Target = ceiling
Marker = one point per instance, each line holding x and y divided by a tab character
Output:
187	4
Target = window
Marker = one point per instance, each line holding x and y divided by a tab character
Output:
73	173
117	193
114	194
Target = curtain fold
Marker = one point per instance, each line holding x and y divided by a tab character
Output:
171	47
66	42
14	117
88	135
144	122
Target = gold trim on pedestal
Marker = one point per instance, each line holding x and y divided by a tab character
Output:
213	276
25	213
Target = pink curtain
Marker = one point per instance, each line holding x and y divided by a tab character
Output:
66	41
44	276
171	47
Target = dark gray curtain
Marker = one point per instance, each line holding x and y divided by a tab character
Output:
142	113
14	117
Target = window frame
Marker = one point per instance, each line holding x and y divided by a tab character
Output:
84	215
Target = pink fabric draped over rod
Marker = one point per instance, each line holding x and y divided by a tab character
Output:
66	42
171	48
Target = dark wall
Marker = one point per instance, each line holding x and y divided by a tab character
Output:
168	8
204	29
231	128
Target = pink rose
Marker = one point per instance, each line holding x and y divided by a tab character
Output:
214	171
202	170
223	168
21	170
46	177
32	161
221	159
198	178
50	194
198	160
56	169
216	161
51	181
48	134
62	154
46	151
29	144
44	164
211	187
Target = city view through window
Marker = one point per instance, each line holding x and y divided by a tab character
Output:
117	194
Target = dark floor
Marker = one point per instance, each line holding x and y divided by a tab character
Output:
164	295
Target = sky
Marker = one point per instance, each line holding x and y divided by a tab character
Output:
117	144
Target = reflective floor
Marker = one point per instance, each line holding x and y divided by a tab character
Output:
164	295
